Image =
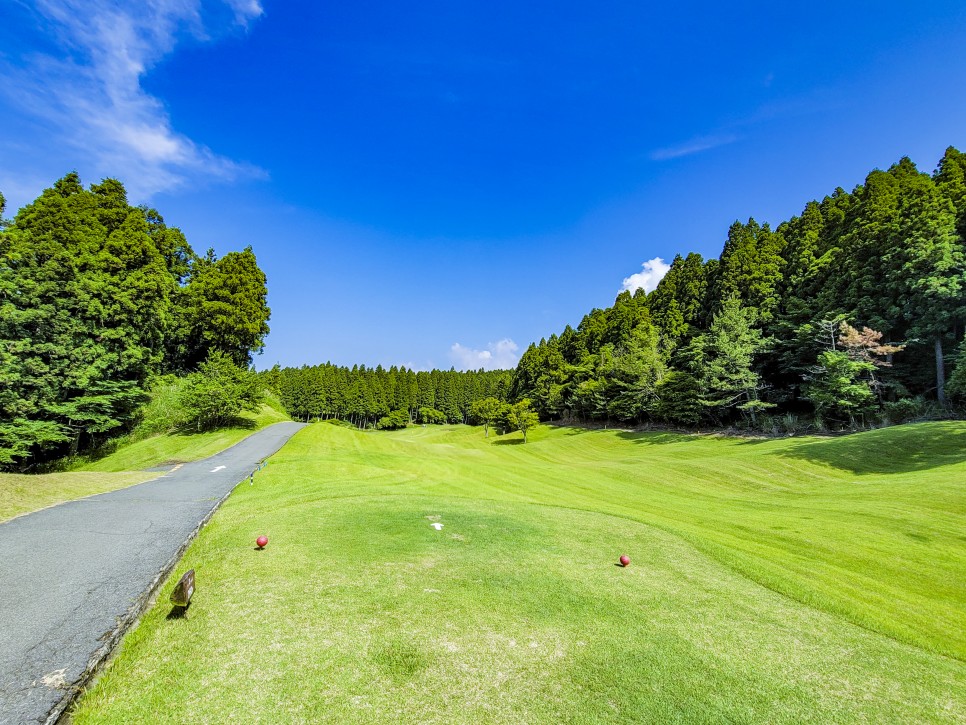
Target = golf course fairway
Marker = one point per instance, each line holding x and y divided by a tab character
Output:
793	580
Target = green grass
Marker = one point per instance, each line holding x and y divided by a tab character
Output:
22	493
172	448
795	580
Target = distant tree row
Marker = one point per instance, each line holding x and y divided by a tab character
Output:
364	395
96	298
845	313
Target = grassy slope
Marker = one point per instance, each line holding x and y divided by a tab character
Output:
180	447
514	612
20	493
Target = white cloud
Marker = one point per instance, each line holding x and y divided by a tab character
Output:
653	270
89	100
500	355
245	10
693	146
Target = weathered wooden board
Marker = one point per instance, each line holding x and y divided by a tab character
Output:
181	596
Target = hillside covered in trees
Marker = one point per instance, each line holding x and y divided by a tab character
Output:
847	313
365	396
97	299
850	313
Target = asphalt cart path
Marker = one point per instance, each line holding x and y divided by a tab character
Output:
74	576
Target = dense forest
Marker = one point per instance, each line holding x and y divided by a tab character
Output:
97	299
368	396
848	314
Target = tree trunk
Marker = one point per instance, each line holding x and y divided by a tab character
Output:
940	372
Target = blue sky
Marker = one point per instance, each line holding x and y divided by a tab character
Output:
442	184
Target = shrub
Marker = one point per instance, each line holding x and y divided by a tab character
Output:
394	421
218	392
432	416
341	423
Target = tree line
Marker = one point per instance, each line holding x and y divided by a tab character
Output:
97	298
365	396
842	315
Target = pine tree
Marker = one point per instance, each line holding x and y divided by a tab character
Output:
726	356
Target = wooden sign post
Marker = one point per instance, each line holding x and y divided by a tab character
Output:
181	596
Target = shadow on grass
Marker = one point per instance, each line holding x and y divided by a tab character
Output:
900	449
177	612
651	437
505	442
236	422
111	446
656	437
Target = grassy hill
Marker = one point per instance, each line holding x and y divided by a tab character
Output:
125	465
794	580
181	446
22	493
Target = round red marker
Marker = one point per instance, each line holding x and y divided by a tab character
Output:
625	560
262	542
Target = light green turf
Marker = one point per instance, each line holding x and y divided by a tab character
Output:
21	493
176	448
359	611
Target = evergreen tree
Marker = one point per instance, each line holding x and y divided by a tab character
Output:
836	387
222	307
750	268
928	264
726	356
89	293
957	381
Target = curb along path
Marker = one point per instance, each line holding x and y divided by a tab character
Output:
76	575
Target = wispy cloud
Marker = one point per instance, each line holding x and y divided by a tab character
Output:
652	272
89	100
693	146
501	355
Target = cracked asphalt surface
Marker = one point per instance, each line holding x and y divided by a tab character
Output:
69	574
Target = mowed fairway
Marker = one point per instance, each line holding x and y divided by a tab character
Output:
796	580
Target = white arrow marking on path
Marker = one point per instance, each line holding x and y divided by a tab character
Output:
215	470
437	526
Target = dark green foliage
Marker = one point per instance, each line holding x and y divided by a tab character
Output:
364	395
677	400
218	392
396	420
836	388
957	381
486	412
222	307
750	269
90	296
750	331
678	303
431	416
724	359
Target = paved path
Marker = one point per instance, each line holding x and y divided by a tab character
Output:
71	575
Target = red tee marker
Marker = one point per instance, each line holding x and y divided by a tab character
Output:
625	560
262	542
